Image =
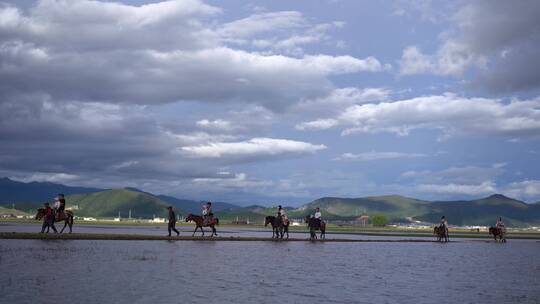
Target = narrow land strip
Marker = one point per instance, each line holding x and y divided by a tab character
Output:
136	237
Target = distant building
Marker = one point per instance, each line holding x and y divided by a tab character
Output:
158	220
363	220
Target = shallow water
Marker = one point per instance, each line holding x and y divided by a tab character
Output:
37	271
185	231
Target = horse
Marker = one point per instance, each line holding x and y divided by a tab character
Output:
278	227
314	225
67	217
498	232
441	233
199	222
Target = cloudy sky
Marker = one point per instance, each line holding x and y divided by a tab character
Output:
274	101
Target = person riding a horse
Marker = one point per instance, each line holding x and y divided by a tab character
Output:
444	224
500	225
59	206
207	213
281	214
318	216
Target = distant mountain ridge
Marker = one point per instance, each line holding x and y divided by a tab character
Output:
35	192
111	203
107	203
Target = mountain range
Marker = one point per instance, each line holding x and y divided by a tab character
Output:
109	202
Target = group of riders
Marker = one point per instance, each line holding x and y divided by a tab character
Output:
57	213
443	226
317	216
54	213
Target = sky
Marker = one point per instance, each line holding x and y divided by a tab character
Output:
274	101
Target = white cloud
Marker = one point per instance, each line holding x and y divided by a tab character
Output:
320	124
528	190
48	177
340	98
218	124
449	113
456	175
256	147
236	181
277	32
68	48
413	61
486	187
262	23
369	156
453	58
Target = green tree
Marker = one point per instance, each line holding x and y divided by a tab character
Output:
379	220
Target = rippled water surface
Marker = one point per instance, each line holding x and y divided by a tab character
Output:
77	271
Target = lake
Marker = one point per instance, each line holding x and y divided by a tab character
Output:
79	271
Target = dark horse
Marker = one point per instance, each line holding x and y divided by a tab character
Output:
278	227
441	233
497	232
67	217
315	225
199	222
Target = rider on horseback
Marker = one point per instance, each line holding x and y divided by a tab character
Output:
500	225
444	224
207	212
281	214
318	216
59	205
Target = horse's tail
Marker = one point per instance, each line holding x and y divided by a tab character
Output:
217	221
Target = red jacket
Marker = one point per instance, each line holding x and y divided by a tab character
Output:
48	211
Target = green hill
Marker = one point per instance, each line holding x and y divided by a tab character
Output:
109	203
393	206
9	211
484	211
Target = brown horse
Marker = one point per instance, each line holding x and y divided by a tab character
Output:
199	222
315	225
498	232
441	233
278	227
67	217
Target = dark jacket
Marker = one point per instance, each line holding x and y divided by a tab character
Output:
172	216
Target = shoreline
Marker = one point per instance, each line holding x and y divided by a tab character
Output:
139	237
142	237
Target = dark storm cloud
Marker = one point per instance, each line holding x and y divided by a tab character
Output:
509	32
501	39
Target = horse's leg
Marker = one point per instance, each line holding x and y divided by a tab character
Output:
196	227
287	230
70	224
65	224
